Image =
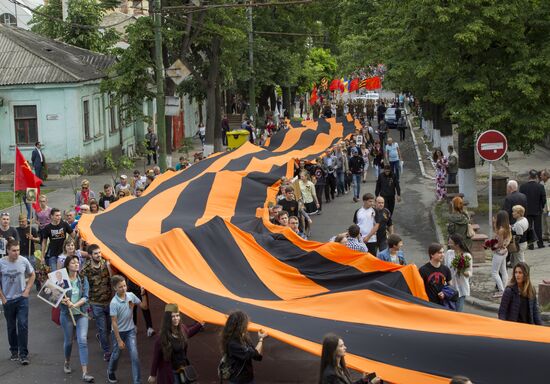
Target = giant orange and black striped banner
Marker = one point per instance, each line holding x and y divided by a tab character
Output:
201	238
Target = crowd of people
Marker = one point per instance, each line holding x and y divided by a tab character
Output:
96	290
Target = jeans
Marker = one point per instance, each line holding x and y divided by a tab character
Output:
499	265
460	304
16	312
103	325
396	168
340	181
356	184
52	262
129	338
81	336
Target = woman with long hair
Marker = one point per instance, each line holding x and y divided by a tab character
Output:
519	301
69	249
309	196
333	363
441	163
503	236
238	349
75	307
170	353
459	272
459	220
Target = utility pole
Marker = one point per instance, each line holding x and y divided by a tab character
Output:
252	87
161	123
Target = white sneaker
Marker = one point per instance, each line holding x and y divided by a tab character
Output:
150	332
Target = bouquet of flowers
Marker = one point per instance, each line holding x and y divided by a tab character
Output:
460	263
490	244
41	268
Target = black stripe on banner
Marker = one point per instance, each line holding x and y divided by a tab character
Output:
219	249
277	139
327	273
255	184
190	204
479	358
323	126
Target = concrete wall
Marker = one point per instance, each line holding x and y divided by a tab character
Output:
60	120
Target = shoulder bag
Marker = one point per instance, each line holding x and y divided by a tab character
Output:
187	374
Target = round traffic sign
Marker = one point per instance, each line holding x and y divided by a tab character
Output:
491	145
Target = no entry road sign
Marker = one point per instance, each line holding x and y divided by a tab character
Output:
491	145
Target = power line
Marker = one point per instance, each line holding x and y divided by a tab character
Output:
76	25
194	8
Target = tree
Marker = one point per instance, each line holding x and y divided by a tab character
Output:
81	28
485	62
73	168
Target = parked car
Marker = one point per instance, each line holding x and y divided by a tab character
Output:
390	117
368	96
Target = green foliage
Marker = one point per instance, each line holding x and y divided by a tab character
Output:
319	63
487	62
131	77
117	165
73	168
47	21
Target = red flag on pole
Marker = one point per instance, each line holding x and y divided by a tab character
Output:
334	85
24	177
373	83
353	85
313	97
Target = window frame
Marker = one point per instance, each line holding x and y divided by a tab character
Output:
86	119
29	137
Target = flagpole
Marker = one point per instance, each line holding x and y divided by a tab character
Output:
14	173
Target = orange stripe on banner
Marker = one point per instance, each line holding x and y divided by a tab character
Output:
282	279
148	221
223	196
291	138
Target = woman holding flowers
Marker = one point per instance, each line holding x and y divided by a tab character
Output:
459	260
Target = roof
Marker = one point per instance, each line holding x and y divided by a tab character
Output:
28	58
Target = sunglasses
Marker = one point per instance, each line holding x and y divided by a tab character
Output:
5	214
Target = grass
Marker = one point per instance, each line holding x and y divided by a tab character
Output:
545	308
483	206
6	198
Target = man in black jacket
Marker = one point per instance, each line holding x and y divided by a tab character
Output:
388	187
513	197
536	200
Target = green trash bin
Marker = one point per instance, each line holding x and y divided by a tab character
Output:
237	138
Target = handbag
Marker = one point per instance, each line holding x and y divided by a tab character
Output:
187	374
471	232
513	247
531	236
56	315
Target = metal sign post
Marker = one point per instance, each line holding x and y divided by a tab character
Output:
491	146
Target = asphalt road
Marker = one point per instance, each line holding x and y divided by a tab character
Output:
281	363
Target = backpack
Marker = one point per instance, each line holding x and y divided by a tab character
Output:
224	368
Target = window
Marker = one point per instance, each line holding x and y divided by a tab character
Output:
112	113
26	124
8	19
86	112
98	131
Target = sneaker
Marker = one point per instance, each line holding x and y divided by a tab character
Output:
355	199
25	360
67	368
14	356
107	356
87	378
111	377
150	332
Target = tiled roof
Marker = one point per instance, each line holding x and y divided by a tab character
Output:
28	58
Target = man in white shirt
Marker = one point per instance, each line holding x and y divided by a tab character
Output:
365	218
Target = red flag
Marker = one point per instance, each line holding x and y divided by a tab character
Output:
25	178
353	85
342	86
313	97
334	85
373	83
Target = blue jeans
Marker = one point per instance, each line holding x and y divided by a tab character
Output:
52	262
340	181
395	168
460	304
356	184
129	338
81	336
16	312
103	325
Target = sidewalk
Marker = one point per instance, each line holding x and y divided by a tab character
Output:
517	167
63	196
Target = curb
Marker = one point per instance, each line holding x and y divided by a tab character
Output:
416	149
474	301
